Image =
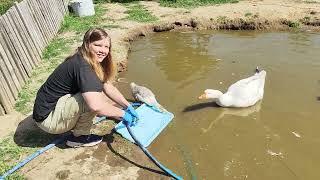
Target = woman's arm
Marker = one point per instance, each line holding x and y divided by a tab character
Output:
114	94
97	102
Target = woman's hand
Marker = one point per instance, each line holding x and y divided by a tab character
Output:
128	119
131	110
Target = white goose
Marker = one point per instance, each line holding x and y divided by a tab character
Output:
243	93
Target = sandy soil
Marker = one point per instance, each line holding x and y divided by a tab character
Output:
115	158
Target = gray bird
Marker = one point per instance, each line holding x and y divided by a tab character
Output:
146	96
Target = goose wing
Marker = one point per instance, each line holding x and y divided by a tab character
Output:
247	92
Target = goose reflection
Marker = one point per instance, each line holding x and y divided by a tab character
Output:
241	112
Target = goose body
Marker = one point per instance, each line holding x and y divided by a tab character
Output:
244	93
145	95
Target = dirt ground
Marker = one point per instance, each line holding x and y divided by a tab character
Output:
116	158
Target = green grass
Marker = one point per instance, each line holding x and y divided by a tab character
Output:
25	95
6	4
293	24
138	13
311	2
52	57
56	47
114	1
82	24
222	19
193	3
248	14
305	20
10	154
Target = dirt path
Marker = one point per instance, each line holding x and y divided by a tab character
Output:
115	158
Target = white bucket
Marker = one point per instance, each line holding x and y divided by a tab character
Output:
82	7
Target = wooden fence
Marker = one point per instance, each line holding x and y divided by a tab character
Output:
25	30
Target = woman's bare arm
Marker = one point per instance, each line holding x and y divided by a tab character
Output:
114	94
97	102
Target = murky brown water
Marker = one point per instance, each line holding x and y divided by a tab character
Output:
278	138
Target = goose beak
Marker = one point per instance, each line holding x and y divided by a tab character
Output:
203	96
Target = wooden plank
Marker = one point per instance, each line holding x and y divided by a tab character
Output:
38	18
13	70
9	98
2	111
61	7
60	15
32	45
8	107
54	15
20	36
9	75
15	41
11	53
7	54
65	6
26	39
31	25
62	12
47	20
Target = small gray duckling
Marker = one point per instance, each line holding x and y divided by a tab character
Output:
145	95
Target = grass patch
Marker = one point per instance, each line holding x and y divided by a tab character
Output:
82	24
11	153
311	2
56	47
25	97
293	24
222	19
248	14
193	3
52	57
305	20
138	13
6	4
110	26
114	1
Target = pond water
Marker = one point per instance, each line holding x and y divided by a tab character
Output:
278	138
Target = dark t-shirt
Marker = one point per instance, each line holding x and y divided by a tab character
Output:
70	77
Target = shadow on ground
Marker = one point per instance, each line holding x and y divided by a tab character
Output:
28	134
200	106
109	138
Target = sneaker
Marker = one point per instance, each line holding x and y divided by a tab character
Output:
83	140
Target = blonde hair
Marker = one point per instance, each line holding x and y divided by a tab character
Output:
105	70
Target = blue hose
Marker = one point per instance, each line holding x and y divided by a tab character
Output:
153	159
166	170
32	156
61	139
